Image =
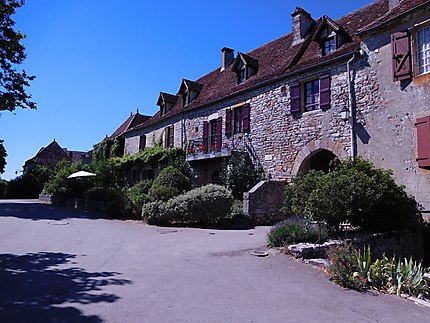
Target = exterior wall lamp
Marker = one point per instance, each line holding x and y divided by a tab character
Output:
344	113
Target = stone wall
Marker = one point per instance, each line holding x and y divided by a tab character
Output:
387	114
264	201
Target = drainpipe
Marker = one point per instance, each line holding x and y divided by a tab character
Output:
351	110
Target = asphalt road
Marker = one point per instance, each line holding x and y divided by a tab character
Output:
59	265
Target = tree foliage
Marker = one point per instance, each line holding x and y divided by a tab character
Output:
3	156
12	81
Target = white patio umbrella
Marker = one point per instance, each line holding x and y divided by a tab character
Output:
81	173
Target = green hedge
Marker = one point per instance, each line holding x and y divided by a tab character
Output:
204	205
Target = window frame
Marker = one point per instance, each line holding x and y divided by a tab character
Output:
314	96
237	120
416	50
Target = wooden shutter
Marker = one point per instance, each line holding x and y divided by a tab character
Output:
246	112
401	49
228	117
218	138
295	97
325	92
166	137
205	134
423	141
142	142
171	136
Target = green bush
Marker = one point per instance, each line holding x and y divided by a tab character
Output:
204	205
117	205
357	193
240	175
138	193
343	268
3	188
163	193
294	230
170	177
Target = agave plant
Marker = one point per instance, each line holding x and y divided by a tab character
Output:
364	261
408	277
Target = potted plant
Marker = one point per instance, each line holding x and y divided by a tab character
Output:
225	149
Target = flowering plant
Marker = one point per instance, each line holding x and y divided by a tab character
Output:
191	150
202	148
212	148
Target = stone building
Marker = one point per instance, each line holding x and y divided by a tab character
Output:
327	89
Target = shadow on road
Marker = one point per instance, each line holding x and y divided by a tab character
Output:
33	287
37	211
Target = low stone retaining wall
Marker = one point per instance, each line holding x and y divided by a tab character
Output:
80	204
405	244
264	201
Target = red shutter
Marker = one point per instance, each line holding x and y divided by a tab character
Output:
171	136
205	134
228	128
295	97
246	111
218	137
423	141
401	48
325	92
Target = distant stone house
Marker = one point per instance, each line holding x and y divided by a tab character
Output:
50	155
323	91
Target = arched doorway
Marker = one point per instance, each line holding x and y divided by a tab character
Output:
317	160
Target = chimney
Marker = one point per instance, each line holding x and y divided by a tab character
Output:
393	3
302	22
227	57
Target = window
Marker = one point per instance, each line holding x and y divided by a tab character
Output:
310	95
237	120
329	45
212	134
423	50
328	41
241	74
169	134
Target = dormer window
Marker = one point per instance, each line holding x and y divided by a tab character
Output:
166	102
330	36
189	91
244	66
329	44
328	41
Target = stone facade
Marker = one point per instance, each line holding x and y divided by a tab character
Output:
388	111
284	144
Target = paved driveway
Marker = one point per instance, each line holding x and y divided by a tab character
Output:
59	265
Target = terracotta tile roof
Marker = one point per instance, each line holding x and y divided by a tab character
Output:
132	121
276	59
401	9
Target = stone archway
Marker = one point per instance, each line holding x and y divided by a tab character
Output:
318	160
317	154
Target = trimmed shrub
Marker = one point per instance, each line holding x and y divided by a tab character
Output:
163	193
170	177
203	205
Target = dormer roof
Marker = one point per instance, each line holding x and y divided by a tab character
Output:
327	21
245	59
190	86
166	97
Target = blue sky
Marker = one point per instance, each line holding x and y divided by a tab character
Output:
96	61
